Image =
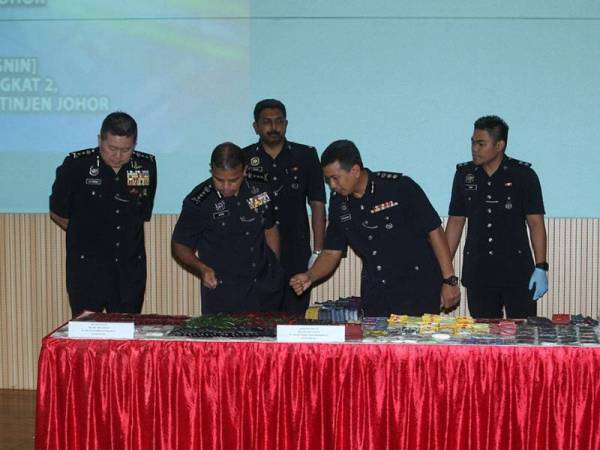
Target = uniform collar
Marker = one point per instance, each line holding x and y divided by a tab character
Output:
287	146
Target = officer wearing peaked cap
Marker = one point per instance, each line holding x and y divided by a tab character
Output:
500	197
226	234
101	197
295	178
388	221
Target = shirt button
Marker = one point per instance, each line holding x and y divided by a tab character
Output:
519	251
382	281
489	210
416	267
489	225
117	211
223	223
275	194
370	237
491	252
116	178
118	227
379	267
276	208
251	249
247	233
488	196
362	207
117	244
116	259
274	178
490	239
239	203
274	165
253	264
277	222
489	183
82	256
374	252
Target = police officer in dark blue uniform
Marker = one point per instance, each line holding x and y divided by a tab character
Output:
101	197
499	196
388	221
295	176
226	234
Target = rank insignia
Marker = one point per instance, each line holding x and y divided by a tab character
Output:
138	178
135	164
255	161
382	206
258	200
94	171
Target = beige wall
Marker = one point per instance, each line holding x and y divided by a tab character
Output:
33	299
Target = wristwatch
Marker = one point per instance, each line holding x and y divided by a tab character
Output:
542	265
451	280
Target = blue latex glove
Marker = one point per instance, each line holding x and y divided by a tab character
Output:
539	280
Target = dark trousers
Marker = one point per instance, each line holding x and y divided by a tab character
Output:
491	302
97	285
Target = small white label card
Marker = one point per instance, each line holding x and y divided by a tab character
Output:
311	333
101	330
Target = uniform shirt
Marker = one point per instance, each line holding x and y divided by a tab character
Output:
106	210
295	176
228	232
388	229
497	251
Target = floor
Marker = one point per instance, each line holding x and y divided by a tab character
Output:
17	419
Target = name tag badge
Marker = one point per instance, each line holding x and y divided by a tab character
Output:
471	187
345	217
93	181
220	214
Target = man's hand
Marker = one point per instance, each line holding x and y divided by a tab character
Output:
539	281
450	296
300	282
209	279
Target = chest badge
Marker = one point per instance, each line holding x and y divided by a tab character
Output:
383	206
255	161
470	178
138	178
295	186
94	171
258	200
220	206
508	204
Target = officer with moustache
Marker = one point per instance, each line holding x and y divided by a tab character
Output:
102	196
295	176
501	198
388	221
226	235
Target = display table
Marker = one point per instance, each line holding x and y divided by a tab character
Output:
168	395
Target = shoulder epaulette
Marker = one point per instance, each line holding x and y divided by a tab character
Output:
82	153
201	192
388	175
143	155
463	164
519	163
257	176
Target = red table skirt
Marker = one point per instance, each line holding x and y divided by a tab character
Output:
171	395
